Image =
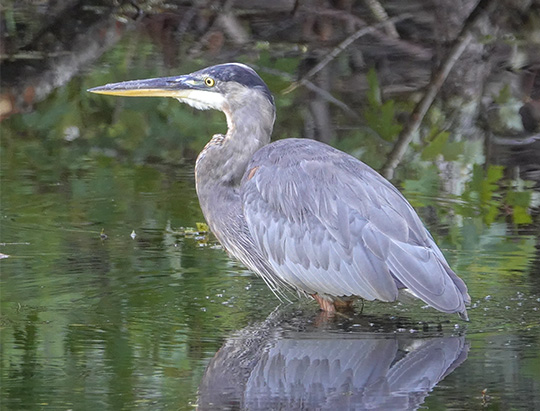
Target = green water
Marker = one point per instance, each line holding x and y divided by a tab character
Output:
122	322
111	299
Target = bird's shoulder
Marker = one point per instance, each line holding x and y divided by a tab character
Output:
302	170
298	179
291	152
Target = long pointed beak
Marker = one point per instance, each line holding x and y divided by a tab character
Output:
176	87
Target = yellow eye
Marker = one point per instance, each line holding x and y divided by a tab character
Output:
209	81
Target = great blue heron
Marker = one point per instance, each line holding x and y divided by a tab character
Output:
300	213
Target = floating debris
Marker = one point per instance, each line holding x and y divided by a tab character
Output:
133	235
200	233
102	235
202	227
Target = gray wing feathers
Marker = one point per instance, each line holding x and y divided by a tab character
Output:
329	224
429	280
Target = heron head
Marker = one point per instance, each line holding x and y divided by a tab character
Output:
222	87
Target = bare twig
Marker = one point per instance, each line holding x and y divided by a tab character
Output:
331	99
380	14
340	48
33	55
309	85
415	50
482	8
232	27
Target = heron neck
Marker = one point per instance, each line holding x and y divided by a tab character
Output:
247	132
225	158
222	163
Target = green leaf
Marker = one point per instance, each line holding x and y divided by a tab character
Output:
453	150
436	146
374	90
519	198
380	117
520	202
494	173
490	211
426	186
520	215
504	95
482	190
382	120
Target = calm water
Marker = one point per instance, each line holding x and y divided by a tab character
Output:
111	299
123	323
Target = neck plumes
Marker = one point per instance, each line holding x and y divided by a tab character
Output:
223	162
224	159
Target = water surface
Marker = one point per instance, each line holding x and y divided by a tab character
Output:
109	301
113	298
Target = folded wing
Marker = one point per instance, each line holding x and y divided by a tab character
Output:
329	224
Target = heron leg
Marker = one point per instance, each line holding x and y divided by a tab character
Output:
331	306
326	305
344	304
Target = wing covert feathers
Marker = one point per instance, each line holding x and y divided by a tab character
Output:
329	224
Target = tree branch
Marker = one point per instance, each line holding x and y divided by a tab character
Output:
463	39
341	47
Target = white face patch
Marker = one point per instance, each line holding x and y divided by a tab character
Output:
202	100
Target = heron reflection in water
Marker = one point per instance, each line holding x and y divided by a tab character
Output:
288	363
299	213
